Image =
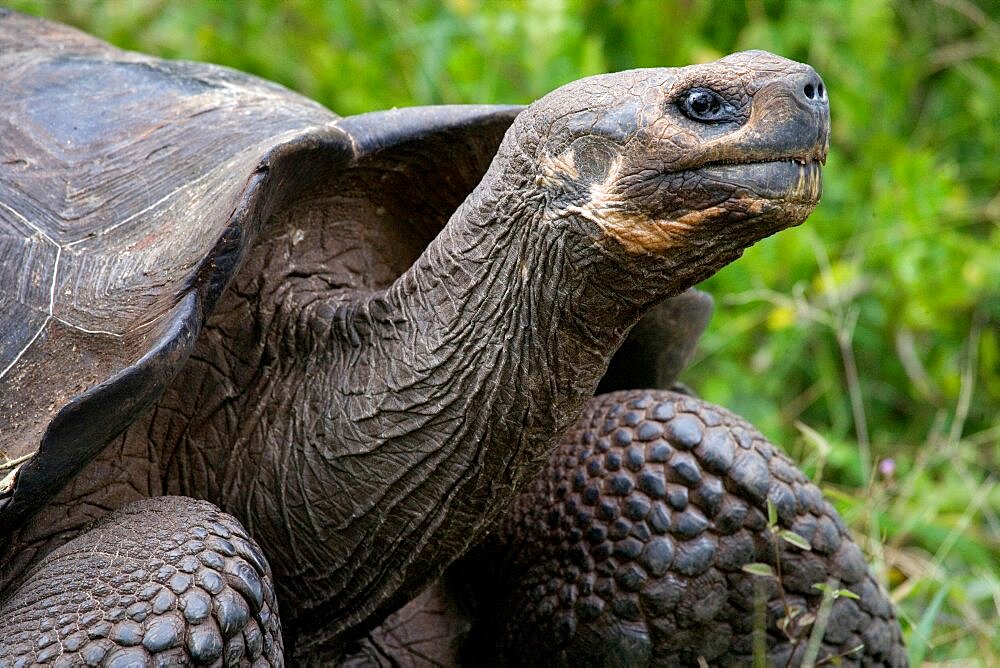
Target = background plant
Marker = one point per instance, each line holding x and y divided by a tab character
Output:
867	341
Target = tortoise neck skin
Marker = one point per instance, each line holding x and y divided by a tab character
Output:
456	382
433	401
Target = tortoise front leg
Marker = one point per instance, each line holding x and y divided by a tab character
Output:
631	548
163	581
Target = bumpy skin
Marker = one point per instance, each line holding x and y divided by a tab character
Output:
628	550
166	581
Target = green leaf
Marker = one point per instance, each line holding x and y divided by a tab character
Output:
772	514
795	539
835	593
758	569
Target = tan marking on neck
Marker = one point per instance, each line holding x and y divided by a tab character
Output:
553	170
639	234
642	235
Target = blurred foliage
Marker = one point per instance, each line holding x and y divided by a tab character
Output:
877	324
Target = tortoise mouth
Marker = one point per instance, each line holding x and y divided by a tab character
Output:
795	180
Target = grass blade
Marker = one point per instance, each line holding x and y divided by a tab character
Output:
921	634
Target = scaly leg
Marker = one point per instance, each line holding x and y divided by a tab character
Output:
162	581
629	550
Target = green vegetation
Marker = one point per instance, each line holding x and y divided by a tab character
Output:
869	333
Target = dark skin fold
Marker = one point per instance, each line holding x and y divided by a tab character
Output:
373	385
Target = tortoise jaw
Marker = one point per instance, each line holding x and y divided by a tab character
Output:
794	180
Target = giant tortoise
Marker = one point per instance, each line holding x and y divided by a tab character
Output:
257	356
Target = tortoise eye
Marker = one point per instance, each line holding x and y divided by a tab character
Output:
705	106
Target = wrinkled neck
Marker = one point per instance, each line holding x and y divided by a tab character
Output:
444	395
449	390
502	315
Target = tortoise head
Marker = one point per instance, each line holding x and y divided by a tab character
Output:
684	166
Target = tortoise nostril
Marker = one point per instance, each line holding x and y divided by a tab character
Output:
811	89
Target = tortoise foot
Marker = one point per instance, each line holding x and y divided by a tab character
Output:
163	581
630	549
